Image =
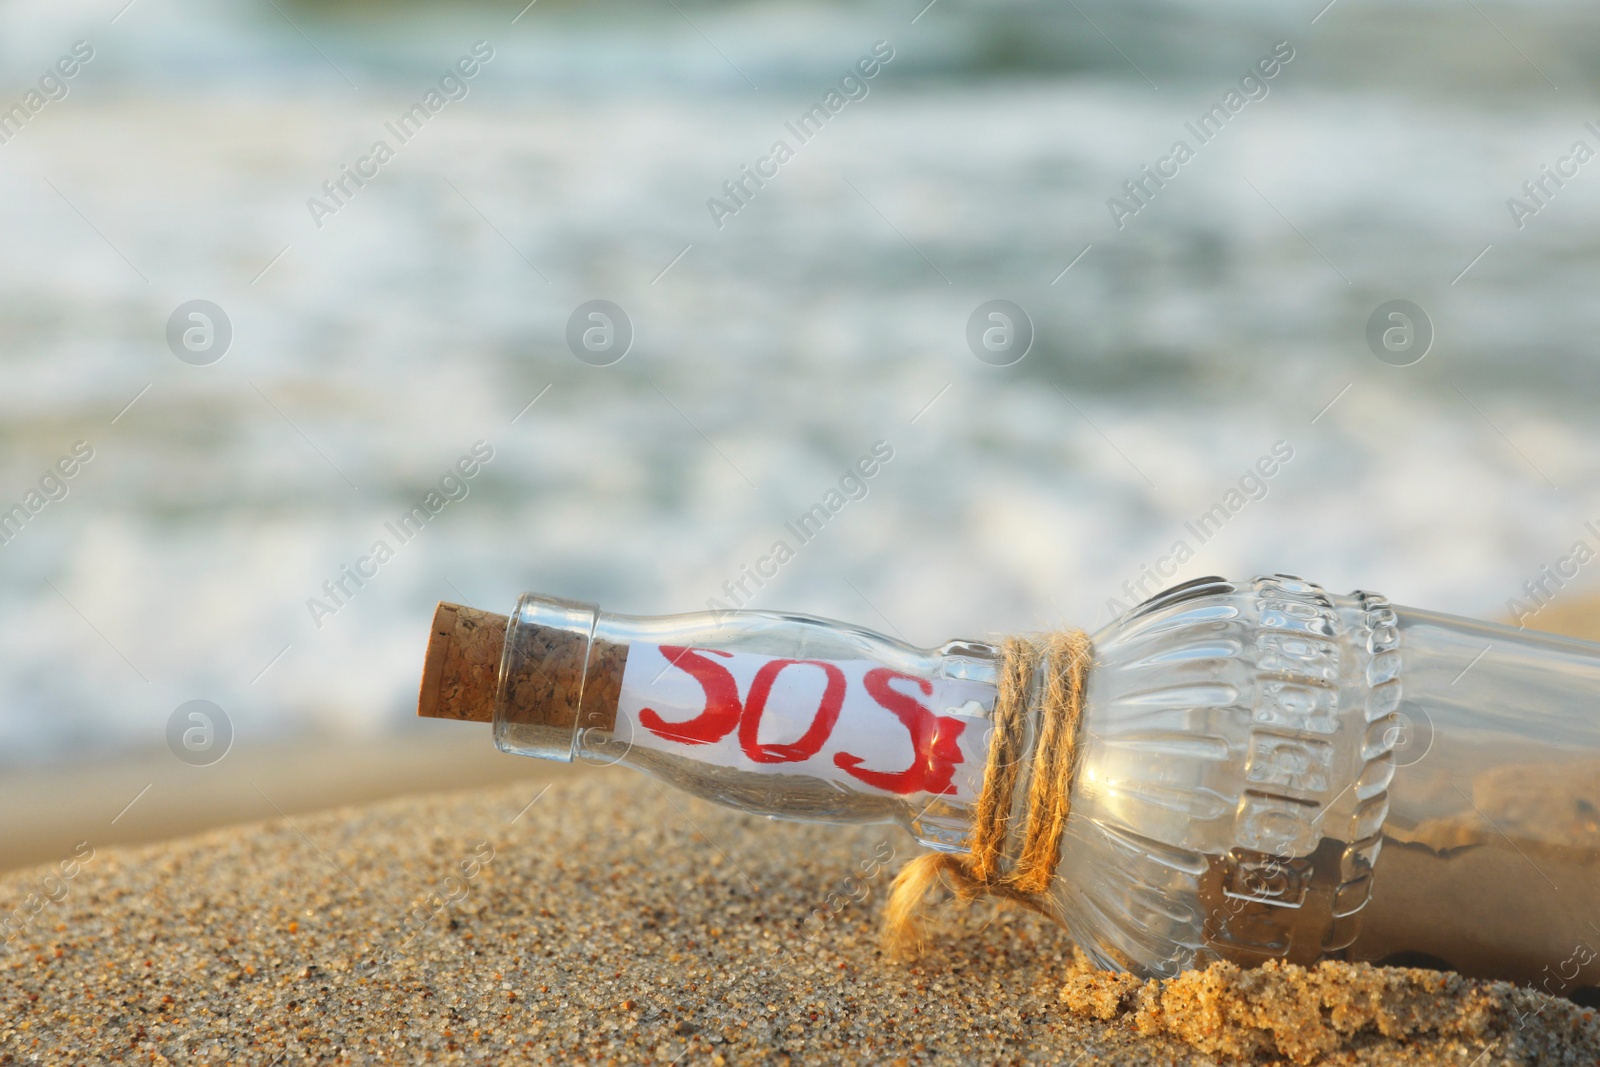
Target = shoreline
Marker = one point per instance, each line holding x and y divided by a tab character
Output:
152	797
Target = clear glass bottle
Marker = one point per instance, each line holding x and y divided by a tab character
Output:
1266	770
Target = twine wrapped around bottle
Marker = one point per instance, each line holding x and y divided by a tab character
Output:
1065	658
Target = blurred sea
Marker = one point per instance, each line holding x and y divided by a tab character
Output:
830	313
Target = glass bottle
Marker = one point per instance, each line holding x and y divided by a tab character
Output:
1265	770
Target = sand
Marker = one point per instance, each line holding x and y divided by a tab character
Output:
608	921
1307	1015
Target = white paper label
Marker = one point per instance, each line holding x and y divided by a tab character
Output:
856	722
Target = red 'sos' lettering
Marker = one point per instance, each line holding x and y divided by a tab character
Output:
722	709
933	740
821	724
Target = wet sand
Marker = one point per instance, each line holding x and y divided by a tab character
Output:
154	797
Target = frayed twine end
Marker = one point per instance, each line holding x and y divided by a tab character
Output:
905	934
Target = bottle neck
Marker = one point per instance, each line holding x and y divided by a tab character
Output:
780	715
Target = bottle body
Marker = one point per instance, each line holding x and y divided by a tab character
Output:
1491	860
1264	771
1273	772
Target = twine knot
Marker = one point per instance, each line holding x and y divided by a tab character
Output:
982	871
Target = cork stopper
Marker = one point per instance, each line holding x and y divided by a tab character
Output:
462	668
556	675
